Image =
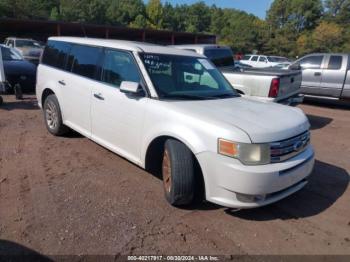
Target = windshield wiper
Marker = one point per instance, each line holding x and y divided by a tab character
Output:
186	96
227	95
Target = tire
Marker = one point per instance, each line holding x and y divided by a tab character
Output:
178	173
18	92
53	117
1	100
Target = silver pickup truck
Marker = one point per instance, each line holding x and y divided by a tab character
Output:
325	75
268	84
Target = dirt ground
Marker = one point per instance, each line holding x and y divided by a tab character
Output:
70	196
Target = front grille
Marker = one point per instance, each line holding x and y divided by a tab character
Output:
285	149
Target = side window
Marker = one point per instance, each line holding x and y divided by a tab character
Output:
119	66
311	62
83	60
262	59
246	57
55	54
335	62
10	43
254	58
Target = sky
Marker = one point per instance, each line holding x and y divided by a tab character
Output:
256	7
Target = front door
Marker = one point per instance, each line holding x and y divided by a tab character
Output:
117	118
311	73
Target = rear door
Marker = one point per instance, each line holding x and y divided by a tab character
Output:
311	73
333	75
78	84
262	62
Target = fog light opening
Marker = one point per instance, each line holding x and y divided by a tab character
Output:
250	198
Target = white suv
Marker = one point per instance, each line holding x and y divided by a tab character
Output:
262	61
172	112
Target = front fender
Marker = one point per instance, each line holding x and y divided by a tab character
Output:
182	133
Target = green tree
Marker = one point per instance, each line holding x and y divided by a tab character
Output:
124	12
154	10
338	10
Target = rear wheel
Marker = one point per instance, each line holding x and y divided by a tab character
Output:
178	173
1	100
53	116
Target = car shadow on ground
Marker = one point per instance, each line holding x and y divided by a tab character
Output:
11	251
318	122
27	103
329	103
326	185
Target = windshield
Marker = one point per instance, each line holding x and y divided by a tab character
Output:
277	59
182	77
9	54
27	43
220	56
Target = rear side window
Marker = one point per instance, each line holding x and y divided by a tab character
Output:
311	62
220	56
83	60
246	57
55	54
254	58
335	62
119	66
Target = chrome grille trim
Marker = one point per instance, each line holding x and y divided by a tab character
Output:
285	149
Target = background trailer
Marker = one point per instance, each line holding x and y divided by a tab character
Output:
41	30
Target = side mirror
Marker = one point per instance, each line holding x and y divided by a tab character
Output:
295	67
129	87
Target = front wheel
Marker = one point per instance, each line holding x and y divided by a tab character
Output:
53	116
178	173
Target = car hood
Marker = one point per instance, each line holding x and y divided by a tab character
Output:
20	67
262	121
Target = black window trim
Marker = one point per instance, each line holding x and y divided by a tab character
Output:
98	73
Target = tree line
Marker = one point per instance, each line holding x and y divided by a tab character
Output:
291	28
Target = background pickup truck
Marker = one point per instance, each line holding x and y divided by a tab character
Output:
268	84
325	75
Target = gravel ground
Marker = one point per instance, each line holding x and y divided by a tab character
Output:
62	196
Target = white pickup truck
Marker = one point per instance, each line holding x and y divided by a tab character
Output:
268	84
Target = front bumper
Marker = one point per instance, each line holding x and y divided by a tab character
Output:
230	183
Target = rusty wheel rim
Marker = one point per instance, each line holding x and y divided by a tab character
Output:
166	170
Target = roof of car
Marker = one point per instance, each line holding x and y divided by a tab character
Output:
204	46
20	38
126	45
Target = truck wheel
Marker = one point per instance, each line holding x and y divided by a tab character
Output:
178	173
53	116
18	92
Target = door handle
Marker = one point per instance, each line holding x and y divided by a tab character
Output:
99	96
61	82
317	74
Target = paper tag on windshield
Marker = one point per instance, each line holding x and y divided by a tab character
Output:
206	64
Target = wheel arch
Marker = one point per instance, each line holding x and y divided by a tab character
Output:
154	155
46	92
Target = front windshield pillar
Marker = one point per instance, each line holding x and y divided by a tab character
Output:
146	76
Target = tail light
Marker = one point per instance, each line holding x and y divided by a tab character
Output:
274	88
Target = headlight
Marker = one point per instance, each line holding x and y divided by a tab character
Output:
248	154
